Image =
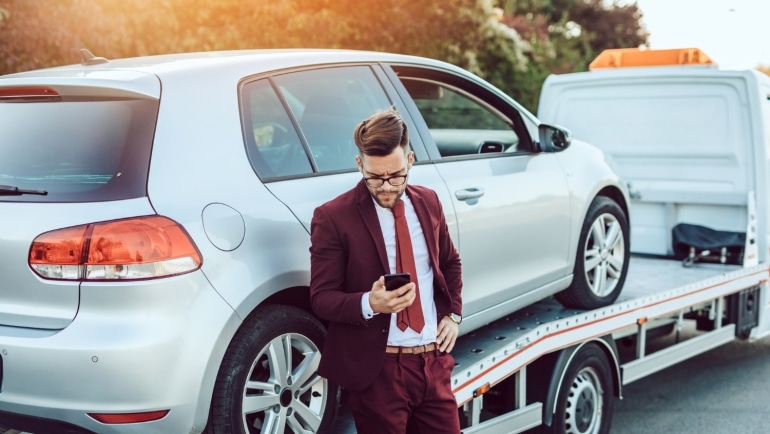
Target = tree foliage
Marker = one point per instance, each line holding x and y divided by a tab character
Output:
514	46
566	35
590	26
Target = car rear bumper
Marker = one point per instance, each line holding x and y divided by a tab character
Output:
33	424
133	347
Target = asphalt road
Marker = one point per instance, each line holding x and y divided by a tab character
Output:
726	390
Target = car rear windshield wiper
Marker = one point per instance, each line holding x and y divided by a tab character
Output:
8	190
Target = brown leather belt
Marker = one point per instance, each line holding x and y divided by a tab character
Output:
412	350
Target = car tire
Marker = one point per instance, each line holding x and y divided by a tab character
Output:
584	402
268	380
601	263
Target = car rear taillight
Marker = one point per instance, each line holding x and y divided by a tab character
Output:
137	248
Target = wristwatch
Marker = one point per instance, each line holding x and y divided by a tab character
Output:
456	318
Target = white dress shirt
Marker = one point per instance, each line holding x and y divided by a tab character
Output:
408	337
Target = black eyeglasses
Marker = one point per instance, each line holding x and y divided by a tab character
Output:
395	181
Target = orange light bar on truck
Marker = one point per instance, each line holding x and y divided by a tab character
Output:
634	57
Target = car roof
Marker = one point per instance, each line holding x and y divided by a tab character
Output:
236	61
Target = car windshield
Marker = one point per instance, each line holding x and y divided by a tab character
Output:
76	151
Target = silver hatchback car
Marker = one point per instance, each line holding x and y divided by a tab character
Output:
155	216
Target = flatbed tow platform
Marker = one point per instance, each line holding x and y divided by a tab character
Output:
524	364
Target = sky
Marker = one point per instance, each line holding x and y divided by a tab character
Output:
733	33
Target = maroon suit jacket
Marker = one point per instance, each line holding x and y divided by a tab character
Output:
347	255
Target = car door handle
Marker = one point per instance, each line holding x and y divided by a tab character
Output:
469	193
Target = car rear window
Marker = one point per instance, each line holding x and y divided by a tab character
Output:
327	104
76	151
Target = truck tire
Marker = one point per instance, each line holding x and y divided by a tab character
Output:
268	383
584	402
601	263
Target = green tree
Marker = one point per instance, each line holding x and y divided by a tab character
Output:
514	47
597	24
39	34
566	35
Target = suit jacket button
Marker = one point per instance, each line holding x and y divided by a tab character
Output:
384	330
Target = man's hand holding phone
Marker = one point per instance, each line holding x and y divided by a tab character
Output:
392	293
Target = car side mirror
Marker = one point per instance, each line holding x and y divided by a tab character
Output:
553	138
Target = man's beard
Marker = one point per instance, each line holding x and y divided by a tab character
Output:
389	202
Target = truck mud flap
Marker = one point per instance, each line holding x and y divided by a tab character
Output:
743	311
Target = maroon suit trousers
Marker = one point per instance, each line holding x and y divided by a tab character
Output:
413	388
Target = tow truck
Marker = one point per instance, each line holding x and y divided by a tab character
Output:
556	370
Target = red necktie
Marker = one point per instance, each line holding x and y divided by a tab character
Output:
412	315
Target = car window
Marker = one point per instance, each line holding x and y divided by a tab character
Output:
75	150
326	104
459	123
273	145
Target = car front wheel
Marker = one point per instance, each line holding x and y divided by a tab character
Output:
602	258
268	381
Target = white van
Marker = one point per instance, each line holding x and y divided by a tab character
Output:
690	139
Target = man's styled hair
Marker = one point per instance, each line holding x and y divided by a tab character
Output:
381	133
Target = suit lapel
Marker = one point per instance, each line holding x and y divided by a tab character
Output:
372	222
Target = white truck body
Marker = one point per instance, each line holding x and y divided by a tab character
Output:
692	142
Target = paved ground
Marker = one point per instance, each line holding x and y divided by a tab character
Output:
725	390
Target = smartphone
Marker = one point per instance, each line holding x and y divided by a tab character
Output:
395	281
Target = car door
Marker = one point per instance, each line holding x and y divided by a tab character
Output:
299	132
512	204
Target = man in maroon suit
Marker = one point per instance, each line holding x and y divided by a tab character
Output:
389	349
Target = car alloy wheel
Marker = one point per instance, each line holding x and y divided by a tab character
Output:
268	381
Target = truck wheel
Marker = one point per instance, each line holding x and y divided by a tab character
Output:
601	263
584	403
268	383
